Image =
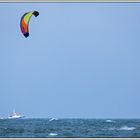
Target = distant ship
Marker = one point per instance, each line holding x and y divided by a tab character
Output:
15	115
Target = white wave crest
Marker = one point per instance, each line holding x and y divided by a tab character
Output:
53	119
127	128
110	121
53	134
124	128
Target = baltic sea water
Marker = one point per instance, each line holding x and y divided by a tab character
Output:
70	128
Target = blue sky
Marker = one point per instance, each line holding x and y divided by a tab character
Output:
81	60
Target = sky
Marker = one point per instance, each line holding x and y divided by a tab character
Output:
81	60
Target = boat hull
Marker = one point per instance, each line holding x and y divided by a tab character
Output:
16	117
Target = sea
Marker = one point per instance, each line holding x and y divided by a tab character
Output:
70	128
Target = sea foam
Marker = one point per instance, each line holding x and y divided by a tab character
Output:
53	134
123	128
53	119
127	128
110	121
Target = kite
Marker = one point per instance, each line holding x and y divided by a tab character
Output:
24	22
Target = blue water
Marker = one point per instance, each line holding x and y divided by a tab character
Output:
70	128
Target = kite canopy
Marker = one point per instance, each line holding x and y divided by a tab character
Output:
24	22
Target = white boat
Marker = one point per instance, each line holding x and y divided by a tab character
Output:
15	115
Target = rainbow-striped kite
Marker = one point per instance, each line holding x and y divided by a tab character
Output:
24	22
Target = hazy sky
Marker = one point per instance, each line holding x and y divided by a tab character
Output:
80	60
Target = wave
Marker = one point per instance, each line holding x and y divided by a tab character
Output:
53	134
53	119
110	121
11	130
127	128
123	128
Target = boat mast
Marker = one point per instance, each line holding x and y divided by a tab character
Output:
14	111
